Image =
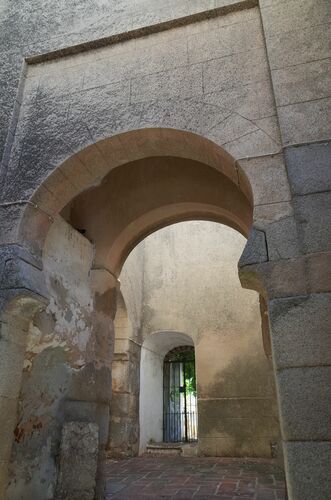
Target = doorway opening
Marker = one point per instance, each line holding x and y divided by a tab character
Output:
183	278
139	194
179	396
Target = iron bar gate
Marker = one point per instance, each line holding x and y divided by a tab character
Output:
179	396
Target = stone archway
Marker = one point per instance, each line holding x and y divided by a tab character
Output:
146	180
89	168
142	196
233	93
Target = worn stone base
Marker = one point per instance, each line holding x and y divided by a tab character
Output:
78	461
161	449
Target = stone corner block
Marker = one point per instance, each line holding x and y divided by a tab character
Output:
19	269
78	461
307	465
301	330
305	400
309	167
282	239
255	251
313	214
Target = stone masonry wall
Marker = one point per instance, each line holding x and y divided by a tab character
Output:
298	44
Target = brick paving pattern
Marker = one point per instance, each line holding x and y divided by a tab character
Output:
194	478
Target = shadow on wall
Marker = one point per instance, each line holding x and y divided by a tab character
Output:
244	376
239	416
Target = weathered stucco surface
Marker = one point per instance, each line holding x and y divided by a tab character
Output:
59	347
191	285
79	459
124	408
69	23
223	94
237	407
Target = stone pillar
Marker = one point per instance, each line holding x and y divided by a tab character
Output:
22	294
299	302
300	315
302	357
124	414
89	396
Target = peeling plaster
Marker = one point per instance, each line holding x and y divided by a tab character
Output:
59	345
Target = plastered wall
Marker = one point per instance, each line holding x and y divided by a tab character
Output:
166	79
124	408
191	285
59	348
66	23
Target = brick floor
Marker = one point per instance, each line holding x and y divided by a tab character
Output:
194	478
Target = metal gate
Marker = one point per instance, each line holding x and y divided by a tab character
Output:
179	396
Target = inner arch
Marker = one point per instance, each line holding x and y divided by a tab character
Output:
122	188
142	196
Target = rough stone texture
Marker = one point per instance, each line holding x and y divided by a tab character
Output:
17	308
295	16
301	330
284	278
313	213
78	461
124	429
309	168
21	270
306	40
264	214
304	396
289	278
319	272
182	96
268	179
289	82
309	469
69	24
124	422
282	239
298	45
8	408
317	128
11	358
255	250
